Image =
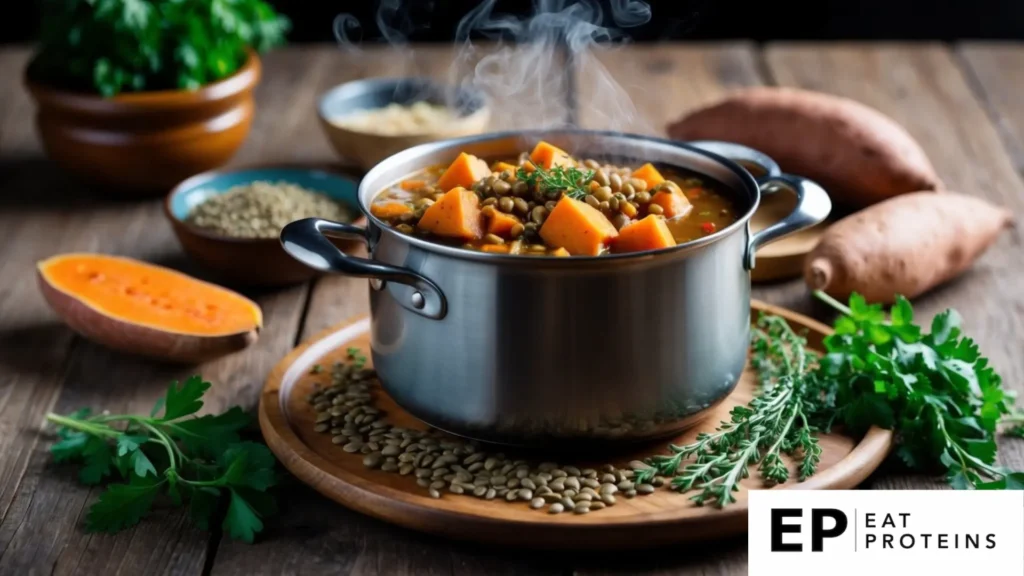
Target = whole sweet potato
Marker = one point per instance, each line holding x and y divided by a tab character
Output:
858	154
905	245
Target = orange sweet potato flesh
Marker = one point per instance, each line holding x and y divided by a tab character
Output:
906	245
501	224
858	154
388	210
648	173
455	215
578	227
463	172
496	248
650	233
148	310
547	155
560	252
673	203
500	167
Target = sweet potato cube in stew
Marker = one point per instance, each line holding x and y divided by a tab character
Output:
499	167
650	233
578	227
648	173
496	248
545	155
673	203
463	172
455	215
501	224
388	210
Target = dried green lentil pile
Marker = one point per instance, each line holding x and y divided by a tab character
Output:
445	463
261	209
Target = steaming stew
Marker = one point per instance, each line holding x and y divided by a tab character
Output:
546	202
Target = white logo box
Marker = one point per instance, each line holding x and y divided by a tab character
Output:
927	532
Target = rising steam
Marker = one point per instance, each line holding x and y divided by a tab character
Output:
532	67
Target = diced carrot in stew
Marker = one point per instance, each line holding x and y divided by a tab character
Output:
648	173
650	233
501	224
562	252
500	167
673	203
578	227
411	185
495	248
547	156
389	210
455	215
463	172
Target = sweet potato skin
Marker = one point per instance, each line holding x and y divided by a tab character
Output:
905	245
135	338
859	155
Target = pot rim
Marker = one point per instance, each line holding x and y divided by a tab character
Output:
244	79
739	225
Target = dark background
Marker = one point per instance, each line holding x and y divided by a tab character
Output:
435	20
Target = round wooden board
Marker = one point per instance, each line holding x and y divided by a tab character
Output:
784	258
664	517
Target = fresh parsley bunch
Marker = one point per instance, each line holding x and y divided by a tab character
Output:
113	46
934	389
187	459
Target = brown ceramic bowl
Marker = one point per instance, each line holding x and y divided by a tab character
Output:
260	261
142	144
367	149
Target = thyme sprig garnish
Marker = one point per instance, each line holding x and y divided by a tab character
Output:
780	420
570	180
935	390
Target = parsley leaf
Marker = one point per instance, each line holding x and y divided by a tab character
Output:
241	521
194	461
122	505
184	399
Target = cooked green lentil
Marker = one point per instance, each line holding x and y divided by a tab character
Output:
261	209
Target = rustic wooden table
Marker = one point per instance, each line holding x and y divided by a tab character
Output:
962	102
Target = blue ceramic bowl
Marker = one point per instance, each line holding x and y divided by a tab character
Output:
253	261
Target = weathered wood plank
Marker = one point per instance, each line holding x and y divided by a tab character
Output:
923	88
48	500
996	71
313	534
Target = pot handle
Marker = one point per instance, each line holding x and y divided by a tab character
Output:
742	155
306	241
812	207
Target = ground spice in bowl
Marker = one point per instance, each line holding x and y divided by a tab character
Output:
261	209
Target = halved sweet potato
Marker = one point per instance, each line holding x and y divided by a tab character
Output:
673	203
455	215
650	233
648	173
148	310
546	155
388	210
463	172
501	224
578	227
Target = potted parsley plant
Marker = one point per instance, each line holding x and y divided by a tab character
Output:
137	95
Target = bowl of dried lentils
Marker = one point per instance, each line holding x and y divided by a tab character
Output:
229	220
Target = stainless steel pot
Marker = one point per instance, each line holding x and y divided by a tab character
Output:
533	350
